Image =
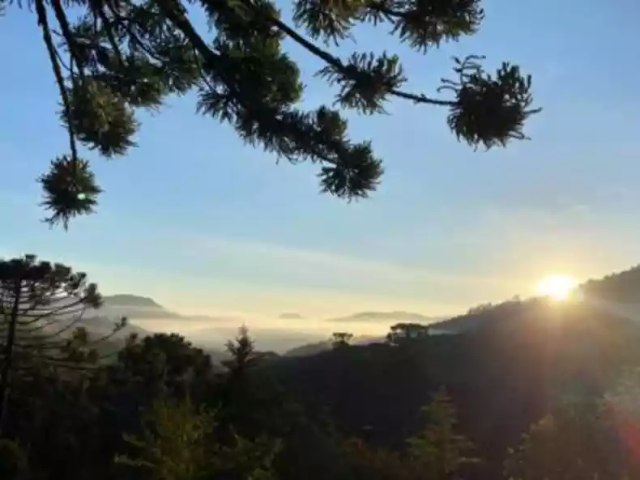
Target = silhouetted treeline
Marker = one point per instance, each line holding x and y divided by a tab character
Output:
535	390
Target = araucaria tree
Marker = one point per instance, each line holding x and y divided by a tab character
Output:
112	57
41	306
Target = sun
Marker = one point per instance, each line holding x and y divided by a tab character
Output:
557	287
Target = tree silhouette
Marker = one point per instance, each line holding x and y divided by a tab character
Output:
173	442
41	305
163	365
440	448
243	354
178	442
341	339
406	332
366	462
576	441
112	57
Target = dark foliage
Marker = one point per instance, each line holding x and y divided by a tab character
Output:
504	375
542	389
110	58
41	306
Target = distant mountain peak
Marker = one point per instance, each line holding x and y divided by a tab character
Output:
128	300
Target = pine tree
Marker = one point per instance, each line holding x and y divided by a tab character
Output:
41	307
576	441
178	443
110	58
440	448
173	442
242	352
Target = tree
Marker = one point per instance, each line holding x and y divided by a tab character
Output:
341	339
177	443
405	332
110	58
575	442
248	400
163	364
41	305
172	445
439	447
243	354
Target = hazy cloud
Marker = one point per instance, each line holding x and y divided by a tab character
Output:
290	316
386	317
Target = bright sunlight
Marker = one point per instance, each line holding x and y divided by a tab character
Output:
557	287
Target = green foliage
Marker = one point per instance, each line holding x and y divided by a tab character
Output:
173	444
246	459
177	443
577	441
369	463
440	449
13	461
161	365
69	190
489	111
111	58
41	307
348	414
101	118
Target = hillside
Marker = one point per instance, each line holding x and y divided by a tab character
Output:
622	287
135	307
476	317
504	374
324	345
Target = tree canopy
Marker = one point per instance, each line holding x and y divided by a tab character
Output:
110	58
41	307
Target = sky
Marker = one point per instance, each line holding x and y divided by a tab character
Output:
205	224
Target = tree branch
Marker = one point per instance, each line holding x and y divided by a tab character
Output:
70	325
106	24
125	23
181	22
43	22
338	65
68	308
63	21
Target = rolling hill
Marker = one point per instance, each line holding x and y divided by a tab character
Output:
505	370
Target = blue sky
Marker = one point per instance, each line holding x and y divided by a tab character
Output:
204	223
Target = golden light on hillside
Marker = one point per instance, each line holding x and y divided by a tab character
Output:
557	287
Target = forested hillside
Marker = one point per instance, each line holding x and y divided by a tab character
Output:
520	362
537	389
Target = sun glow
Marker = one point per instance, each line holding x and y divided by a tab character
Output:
557	287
